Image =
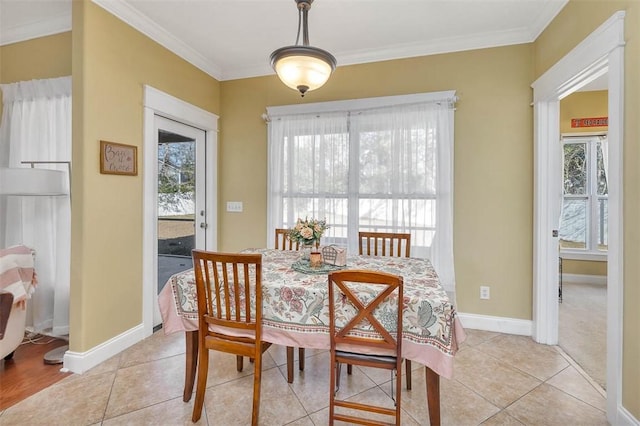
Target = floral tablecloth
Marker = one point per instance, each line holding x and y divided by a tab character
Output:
296	307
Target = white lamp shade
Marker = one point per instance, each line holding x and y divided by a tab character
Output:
299	70
303	68
33	182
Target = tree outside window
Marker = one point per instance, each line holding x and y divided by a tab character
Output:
584	210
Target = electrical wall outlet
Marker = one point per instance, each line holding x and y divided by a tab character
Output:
485	292
234	206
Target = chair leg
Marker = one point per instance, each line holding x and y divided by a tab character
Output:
334	377
239	363
203	368
349	368
289	364
257	376
398	394
407	366
301	358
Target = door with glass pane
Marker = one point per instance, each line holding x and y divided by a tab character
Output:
181	193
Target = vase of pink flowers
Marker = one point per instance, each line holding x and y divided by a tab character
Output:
307	233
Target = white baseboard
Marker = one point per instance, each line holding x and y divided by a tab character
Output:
80	362
496	324
585	279
625	418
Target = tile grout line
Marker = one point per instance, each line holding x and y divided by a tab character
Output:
580	370
106	406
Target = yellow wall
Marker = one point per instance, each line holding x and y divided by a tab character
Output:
45	57
584	267
582	105
576	21
111	63
493	160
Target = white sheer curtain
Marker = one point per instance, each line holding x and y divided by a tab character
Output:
308	172
36	126
386	168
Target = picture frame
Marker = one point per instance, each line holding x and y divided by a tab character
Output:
118	159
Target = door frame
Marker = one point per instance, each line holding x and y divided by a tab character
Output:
601	52
159	103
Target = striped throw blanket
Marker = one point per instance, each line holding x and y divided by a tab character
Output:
17	274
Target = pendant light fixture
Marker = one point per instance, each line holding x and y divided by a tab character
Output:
303	67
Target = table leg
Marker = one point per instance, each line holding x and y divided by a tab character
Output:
289	364
191	356
433	396
301	358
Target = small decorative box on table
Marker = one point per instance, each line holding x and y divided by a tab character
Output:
334	255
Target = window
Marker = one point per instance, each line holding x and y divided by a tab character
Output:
584	211
385	168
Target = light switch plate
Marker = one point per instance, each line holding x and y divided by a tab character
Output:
234	206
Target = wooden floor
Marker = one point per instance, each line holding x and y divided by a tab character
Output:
26	373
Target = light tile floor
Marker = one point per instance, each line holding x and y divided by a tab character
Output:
499	379
581	333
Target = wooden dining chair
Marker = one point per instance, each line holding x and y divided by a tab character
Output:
229	290
391	244
357	337
384	244
283	242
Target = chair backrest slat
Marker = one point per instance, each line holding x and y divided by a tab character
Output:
283	242
384	244
225	285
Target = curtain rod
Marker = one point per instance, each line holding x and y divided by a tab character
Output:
325	107
353	105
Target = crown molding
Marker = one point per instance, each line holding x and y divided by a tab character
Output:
51	25
401	51
146	26
124	11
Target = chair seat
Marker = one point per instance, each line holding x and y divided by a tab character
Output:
391	360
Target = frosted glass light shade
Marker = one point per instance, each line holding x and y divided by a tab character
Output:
303	68
33	182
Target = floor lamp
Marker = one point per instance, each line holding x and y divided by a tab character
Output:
35	182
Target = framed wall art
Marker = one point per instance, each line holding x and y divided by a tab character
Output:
118	159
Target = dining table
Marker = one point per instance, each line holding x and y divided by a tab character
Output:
295	312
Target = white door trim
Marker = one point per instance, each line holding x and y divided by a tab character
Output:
601	52
157	102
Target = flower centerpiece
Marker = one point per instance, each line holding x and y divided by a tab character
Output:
307	233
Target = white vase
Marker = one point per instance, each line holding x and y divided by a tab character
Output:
305	250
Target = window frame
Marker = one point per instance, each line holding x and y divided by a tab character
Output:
591	252
352	224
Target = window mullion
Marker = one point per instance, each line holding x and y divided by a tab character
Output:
353	186
593	199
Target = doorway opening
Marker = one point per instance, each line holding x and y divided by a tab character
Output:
583	234
600	53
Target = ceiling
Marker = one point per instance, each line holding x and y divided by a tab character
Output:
231	39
